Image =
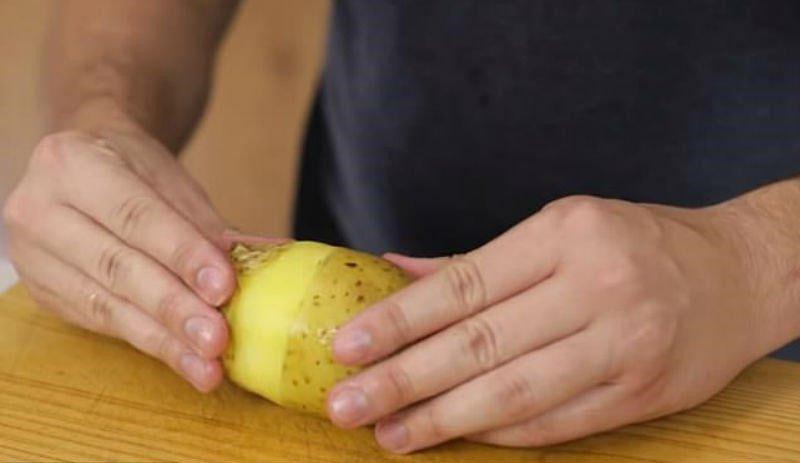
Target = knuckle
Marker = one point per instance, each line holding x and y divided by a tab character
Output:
168	309
15	209
99	311
132	212
437	427
48	153
163	345
400	382
539	433
516	394
186	256
113	265
648	341
398	323
620	274
52	152
465	284
480	342
654	330
155	342
580	213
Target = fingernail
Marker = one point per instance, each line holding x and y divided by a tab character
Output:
353	344
392	435
212	282
348	406
200	330
194	368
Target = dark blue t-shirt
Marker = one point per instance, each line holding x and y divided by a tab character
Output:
441	123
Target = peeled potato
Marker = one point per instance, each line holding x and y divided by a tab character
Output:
291	299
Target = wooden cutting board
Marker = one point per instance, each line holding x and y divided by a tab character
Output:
68	395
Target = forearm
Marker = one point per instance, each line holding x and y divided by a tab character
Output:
149	60
766	225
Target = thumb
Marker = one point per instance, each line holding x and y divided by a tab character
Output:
417	267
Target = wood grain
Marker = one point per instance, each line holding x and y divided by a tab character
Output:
68	395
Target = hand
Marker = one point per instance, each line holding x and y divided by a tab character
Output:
587	316
109	232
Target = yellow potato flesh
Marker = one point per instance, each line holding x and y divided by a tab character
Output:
290	301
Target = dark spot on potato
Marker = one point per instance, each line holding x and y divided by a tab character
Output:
322	389
360	298
294	382
349	371
358	283
307	380
351	264
317	363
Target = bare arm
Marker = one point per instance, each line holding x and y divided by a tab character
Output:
149	59
106	228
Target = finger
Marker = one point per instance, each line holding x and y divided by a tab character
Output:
45	298
520	258
526	386
159	168
54	304
600	409
416	266
134	277
107	314
138	216
532	319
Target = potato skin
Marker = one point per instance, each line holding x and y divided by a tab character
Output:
344	283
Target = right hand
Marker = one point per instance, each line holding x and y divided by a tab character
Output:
109	232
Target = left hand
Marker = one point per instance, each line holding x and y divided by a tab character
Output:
587	316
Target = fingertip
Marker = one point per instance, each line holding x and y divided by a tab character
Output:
205	375
208	333
393	435
216	283
347	405
352	346
212	378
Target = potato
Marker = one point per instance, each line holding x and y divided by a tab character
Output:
291	299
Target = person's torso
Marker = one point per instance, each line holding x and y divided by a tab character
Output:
449	121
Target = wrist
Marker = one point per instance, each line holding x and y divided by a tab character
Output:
767	251
98	114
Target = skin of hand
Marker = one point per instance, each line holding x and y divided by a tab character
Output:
106	228
109	232
587	316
